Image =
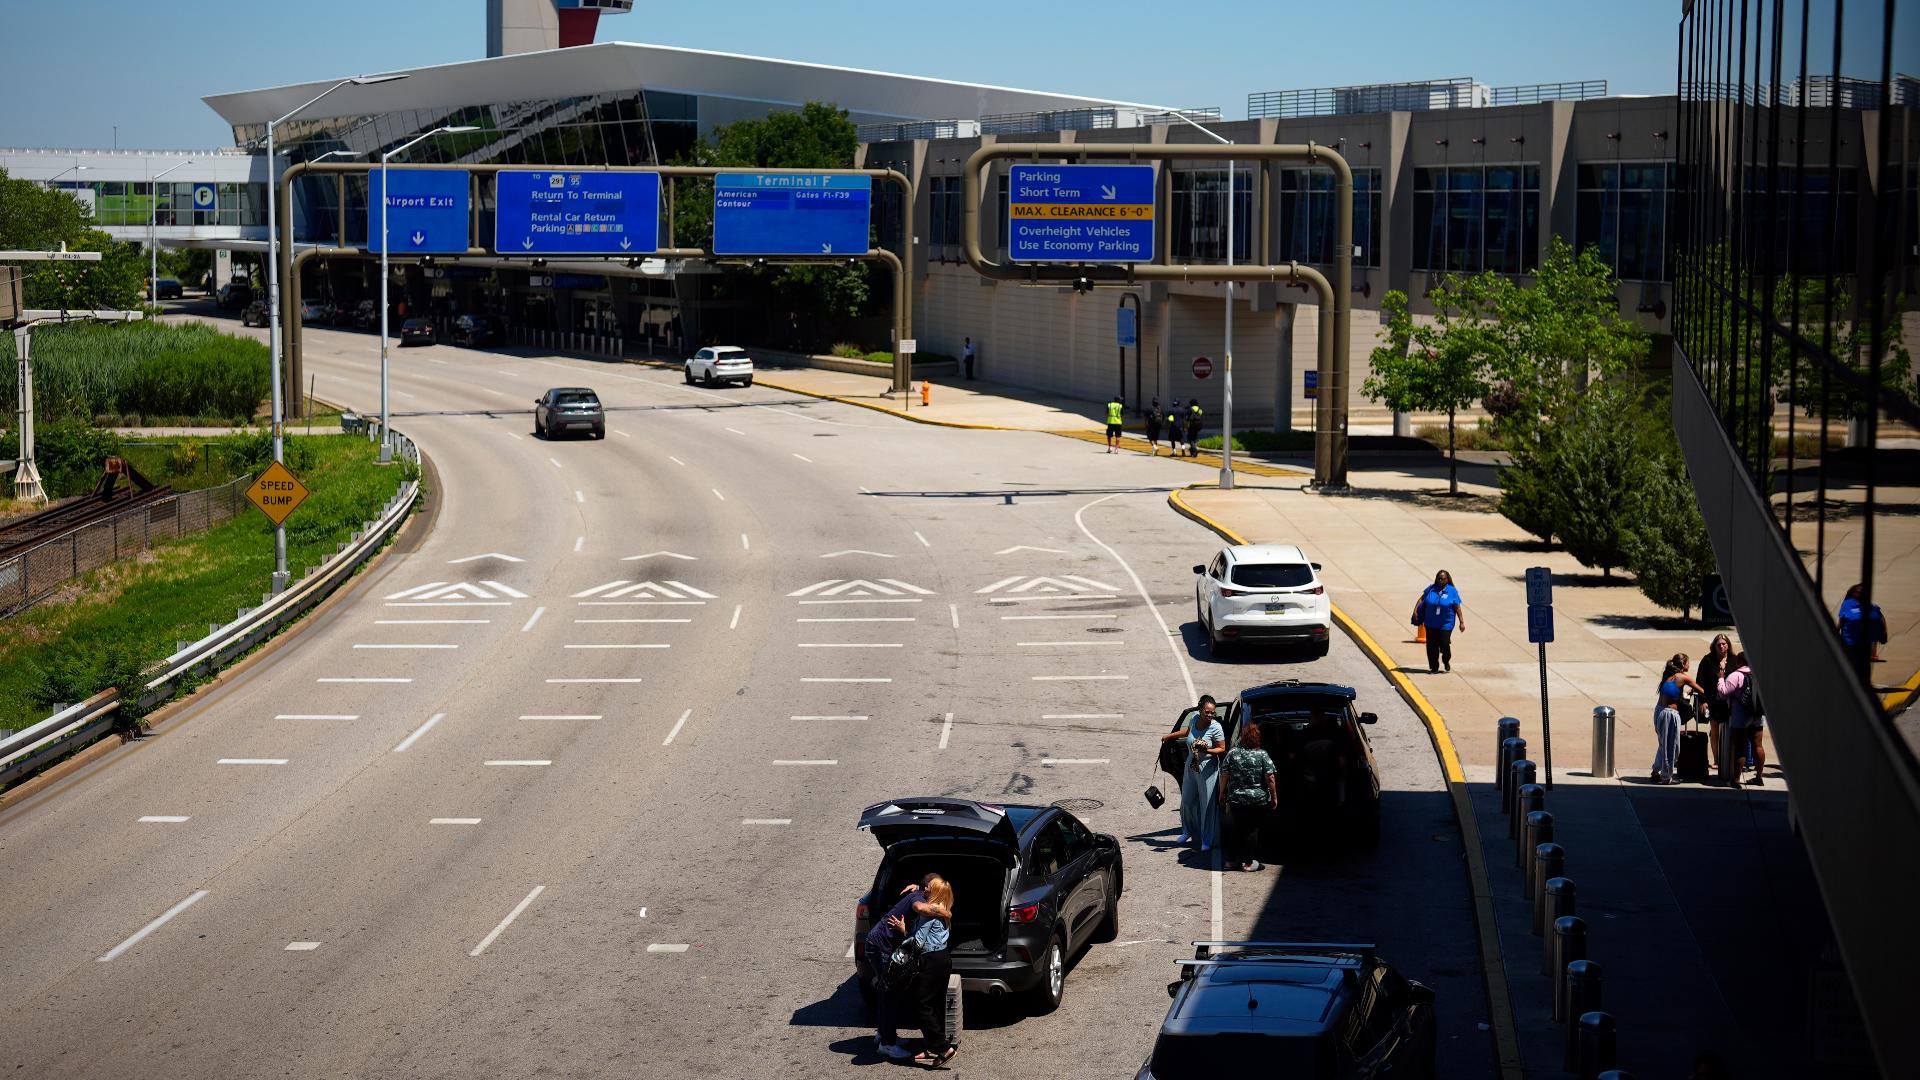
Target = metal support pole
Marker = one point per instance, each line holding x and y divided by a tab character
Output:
275	251
386	274
1226	412
1546	725
1603	741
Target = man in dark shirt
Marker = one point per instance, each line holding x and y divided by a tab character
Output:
880	942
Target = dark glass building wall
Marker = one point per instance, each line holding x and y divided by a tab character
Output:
1794	277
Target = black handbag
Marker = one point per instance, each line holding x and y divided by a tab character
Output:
902	965
1155	798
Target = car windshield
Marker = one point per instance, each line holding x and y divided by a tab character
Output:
1299	707
1207	1057
416	324
1272	575
575	397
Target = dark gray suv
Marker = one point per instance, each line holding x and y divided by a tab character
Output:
568	408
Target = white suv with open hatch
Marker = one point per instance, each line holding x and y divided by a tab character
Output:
1262	592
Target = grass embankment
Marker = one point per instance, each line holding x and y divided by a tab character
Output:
130	614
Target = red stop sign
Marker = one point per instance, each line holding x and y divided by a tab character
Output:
1202	367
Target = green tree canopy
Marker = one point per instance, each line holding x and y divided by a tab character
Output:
1667	546
1430	366
37	218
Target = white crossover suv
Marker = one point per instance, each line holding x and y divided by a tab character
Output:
1262	592
720	364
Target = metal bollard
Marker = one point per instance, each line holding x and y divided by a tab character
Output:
1511	750
1595	1048
1519	774
1549	861
1528	798
1538	830
1558	899
1603	740
1565	944
1508	728
1576	994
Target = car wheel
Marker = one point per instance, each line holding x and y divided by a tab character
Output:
539	429
688	372
1216	648
1053	980
1321	650
599	433
746	382
712	379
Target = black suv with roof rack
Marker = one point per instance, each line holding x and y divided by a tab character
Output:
1314	1011
1031	884
1318	742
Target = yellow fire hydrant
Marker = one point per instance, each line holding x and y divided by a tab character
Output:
926	393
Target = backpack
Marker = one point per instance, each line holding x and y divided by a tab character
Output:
1750	699
903	964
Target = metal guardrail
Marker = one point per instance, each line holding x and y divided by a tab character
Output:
26	752
1534	93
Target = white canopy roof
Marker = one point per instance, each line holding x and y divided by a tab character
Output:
618	65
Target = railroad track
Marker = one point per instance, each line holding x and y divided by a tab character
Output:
108	498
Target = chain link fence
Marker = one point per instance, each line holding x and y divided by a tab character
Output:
32	575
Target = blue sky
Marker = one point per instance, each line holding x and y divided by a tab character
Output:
72	71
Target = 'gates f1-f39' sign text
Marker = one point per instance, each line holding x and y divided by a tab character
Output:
1080	213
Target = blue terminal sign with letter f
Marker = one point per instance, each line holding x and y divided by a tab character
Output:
427	211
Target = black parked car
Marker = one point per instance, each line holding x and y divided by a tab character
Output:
1031	884
366	315
416	332
234	296
568	408
1317	1012
255	314
1329	789
166	288
472	330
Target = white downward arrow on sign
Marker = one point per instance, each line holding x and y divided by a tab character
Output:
1107	192
418	238
527	243
625	244
826	249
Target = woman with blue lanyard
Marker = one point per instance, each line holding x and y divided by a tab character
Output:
1440	612
1200	782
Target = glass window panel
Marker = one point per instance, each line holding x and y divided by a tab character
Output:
1463	222
1429	231
1594	225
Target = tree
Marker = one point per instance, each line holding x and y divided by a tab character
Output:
1667	547
38	218
1430	366
1545	340
1597	459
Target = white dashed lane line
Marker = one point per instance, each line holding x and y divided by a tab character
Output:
924	542
717	495
579	496
453	821
140	935
1073	761
946	731
804	458
806	761
519	761
164	819
301	946
677	725
531	619
744	545
619	646
252	761
675	460
578	543
734	623
766	821
662	948
556	462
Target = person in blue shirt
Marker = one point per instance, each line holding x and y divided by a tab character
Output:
1439	610
1206	742
1861	627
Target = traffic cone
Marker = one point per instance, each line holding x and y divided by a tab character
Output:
1420	634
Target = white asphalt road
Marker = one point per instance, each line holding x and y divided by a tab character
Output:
569	786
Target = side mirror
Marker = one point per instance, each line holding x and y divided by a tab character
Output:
1198	569
1173	989
1105	841
1369	718
1316	566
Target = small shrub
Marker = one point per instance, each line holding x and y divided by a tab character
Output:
848	351
880	357
70	455
1263	441
185	457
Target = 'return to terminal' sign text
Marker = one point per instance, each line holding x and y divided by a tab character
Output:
277	492
1080	213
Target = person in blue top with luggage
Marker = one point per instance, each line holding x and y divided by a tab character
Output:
1439	610
1861	627
1666	717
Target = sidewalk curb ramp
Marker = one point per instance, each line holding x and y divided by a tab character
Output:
1492	965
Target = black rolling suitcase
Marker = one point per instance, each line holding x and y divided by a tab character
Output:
1692	766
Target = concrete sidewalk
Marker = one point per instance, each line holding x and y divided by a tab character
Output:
1700	904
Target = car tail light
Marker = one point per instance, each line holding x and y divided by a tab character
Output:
1317	590
860	910
1231	592
1023	914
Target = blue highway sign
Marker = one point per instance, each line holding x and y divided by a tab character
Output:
577	213
426	212
1539	586
1127	330
1080	213
791	214
1539	624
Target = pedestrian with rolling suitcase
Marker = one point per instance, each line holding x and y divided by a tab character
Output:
1674	682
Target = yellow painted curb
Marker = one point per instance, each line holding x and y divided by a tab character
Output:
902	414
1500	1007
1895	700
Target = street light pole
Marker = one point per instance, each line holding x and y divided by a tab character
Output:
386	434
1226	412
153	253
273	299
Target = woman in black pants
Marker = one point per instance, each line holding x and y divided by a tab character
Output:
927	995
